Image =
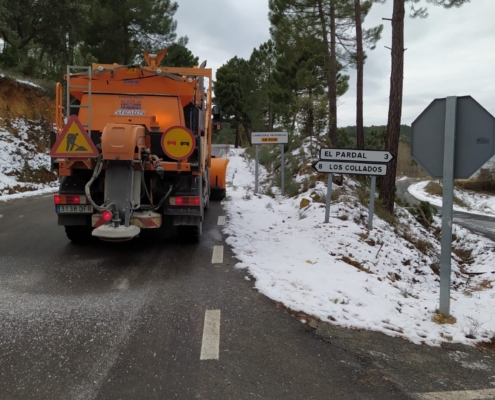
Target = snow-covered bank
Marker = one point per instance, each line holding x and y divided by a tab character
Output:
23	167
480	204
44	189
24	82
344	274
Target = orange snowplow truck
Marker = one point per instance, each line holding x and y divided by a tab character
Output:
135	150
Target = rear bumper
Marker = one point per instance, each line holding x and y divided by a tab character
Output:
143	220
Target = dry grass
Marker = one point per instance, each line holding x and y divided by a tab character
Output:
488	345
464	254
405	163
355	264
434	189
484	182
484	285
442	319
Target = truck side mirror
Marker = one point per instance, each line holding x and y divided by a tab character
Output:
216	112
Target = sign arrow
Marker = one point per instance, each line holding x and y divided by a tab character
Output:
356	155
357	168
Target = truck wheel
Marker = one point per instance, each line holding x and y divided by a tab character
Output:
206	203
217	194
78	234
190	233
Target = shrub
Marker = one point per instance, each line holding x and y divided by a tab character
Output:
423	212
434	189
291	189
484	182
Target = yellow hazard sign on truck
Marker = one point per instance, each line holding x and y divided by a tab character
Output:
73	141
178	142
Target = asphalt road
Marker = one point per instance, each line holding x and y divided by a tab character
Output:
127	321
480	224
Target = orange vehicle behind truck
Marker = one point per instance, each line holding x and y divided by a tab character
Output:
135	147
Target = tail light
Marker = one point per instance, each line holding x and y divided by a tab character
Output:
70	199
107	215
185	201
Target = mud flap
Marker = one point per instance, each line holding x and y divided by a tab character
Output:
218	175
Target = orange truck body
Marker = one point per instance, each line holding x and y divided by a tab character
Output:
153	129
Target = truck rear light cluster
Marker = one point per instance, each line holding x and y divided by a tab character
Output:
185	201
70	199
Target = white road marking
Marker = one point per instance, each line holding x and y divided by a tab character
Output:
210	348
217	257
44	197
221	220
483	394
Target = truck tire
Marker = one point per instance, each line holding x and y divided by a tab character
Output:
78	234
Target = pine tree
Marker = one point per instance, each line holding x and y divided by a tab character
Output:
230	93
387	188
178	55
120	30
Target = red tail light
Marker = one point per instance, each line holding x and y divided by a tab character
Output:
107	215
185	201
69	199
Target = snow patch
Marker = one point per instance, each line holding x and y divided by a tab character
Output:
478	204
346	275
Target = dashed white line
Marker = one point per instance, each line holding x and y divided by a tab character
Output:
221	220
217	257
482	394
210	348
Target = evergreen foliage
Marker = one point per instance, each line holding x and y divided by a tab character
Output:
41	37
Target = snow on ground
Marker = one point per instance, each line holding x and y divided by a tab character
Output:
477	203
23	81
18	154
344	274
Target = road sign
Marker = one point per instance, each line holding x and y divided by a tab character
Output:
178	142
73	141
474	137
356	155
336	167
269	137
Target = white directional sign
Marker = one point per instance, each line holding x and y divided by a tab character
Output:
356	155
269	137
335	167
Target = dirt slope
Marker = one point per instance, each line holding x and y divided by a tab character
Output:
26	113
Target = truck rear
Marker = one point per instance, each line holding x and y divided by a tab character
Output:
135	148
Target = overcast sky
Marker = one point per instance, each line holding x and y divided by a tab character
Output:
452	52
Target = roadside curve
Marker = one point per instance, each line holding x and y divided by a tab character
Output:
481	224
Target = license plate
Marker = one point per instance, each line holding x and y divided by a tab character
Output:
74	209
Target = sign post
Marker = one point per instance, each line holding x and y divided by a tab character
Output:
447	205
256	172
451	139
372	203
281	138
329	197
353	161
282	167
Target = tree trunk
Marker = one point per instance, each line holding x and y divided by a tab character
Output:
387	189
270	111
311	119
237	136
331	87
359	68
